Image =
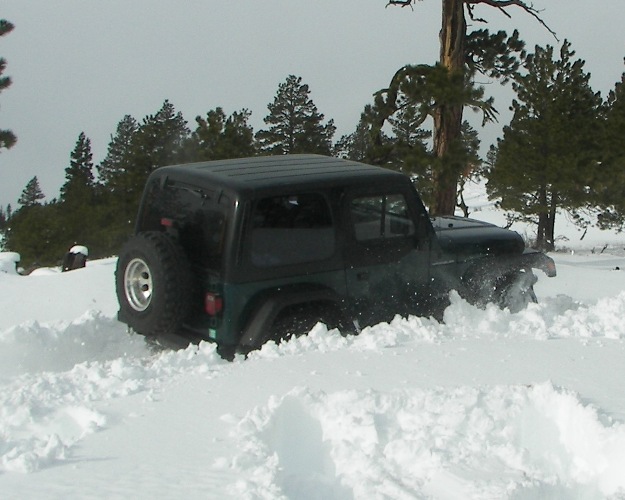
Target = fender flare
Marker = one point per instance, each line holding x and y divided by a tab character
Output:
272	303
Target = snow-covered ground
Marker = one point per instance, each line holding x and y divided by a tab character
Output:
487	405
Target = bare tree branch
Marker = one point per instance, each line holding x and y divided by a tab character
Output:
502	4
401	3
498	4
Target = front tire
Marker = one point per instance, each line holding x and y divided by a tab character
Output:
153	284
516	292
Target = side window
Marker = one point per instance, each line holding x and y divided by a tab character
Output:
381	217
291	229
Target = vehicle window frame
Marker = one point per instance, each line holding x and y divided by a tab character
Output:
322	234
385	237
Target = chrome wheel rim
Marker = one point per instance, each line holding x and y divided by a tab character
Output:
138	284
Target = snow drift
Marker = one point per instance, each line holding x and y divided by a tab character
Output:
487	404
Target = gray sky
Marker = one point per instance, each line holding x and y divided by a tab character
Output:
81	65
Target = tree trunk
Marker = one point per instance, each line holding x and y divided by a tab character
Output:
551	228
448	118
545	237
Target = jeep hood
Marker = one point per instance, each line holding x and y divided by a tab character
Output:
463	236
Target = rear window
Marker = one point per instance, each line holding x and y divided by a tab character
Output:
199	218
291	229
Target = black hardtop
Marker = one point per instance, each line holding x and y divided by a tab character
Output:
261	172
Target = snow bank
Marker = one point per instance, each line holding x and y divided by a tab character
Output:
9	262
42	415
499	442
49	295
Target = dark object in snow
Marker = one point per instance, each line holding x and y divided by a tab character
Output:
75	258
240	252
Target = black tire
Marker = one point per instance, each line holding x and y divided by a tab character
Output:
300	319
516	292
153	283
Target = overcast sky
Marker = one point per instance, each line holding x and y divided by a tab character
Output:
81	65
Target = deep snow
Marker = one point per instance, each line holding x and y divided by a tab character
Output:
487	405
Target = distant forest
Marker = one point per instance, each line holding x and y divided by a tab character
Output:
562	152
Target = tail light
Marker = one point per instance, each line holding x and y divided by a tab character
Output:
213	303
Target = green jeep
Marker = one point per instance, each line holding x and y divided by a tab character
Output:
239	252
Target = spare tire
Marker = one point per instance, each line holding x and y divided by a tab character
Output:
153	283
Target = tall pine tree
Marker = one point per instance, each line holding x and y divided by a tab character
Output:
462	54
133	153
78	189
295	124
117	187
610	187
76	206
119	156
546	160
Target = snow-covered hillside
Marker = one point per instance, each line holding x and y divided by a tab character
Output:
486	405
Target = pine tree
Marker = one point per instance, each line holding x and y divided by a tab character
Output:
295	123
39	234
32	194
74	212
137	150
219	137
367	144
160	140
431	93
119	156
546	160
411	153
133	153
356	146
79	182
610	187
469	153
462	54
7	138
118	188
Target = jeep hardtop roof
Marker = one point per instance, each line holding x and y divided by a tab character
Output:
269	171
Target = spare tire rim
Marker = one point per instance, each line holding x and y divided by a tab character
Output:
138	284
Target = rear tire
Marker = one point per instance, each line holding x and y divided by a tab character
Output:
301	318
153	284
